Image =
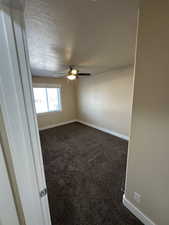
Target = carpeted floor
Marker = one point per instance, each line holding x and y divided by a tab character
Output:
85	174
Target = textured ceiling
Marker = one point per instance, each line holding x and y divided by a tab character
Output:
94	35
16	4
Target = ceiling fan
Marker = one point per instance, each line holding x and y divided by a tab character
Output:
74	73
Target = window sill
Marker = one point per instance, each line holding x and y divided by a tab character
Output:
48	113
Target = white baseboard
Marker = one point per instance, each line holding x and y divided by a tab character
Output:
105	130
87	124
134	210
57	125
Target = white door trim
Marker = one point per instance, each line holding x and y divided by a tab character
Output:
8	214
16	121
26	81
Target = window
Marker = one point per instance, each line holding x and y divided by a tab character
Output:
47	99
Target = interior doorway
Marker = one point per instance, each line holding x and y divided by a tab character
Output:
83	122
84	161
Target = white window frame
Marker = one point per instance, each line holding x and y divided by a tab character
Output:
44	85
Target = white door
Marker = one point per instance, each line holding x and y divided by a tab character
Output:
8	213
19	118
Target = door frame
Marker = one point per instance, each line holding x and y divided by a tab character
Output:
9	214
27	88
19	118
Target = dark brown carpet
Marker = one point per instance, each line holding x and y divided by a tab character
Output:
85	174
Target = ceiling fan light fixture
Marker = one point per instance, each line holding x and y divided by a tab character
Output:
71	77
74	72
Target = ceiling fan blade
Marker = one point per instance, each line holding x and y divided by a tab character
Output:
84	74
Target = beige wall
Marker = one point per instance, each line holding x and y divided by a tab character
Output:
148	161
105	100
68	103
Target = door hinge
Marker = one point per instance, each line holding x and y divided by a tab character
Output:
43	192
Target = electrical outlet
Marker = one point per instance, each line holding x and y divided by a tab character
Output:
137	197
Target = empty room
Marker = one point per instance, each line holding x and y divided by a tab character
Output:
82	74
84	112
